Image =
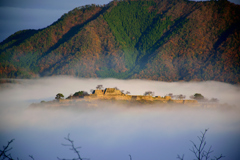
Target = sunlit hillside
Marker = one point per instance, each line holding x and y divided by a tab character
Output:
165	40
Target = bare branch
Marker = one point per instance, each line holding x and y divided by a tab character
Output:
31	157
180	158
72	148
4	154
217	158
130	156
199	151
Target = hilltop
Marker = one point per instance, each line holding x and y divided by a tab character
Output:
165	40
116	96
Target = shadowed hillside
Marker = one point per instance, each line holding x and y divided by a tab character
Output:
167	40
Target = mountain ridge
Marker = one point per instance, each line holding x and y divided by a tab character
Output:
148	39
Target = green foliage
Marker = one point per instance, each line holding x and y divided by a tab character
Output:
154	33
59	96
128	21
80	94
109	72
198	96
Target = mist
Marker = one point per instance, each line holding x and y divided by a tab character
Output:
112	131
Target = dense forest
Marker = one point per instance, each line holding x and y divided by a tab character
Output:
165	40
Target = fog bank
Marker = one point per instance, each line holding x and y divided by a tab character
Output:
112	131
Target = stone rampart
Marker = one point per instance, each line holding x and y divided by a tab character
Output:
145	98
115	94
98	92
112	92
178	101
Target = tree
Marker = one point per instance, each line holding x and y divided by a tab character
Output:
128	92
80	94
59	96
214	100
180	96
70	96
198	97
171	95
199	150
99	87
148	93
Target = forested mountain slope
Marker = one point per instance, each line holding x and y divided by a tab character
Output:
167	40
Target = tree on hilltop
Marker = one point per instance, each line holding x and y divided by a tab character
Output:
59	96
148	93
99	87
80	94
215	100
198	96
180	96
171	95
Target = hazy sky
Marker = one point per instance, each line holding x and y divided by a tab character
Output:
17	15
111	131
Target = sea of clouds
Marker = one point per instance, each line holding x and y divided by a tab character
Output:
111	131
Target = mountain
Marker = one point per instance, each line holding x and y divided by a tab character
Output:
166	40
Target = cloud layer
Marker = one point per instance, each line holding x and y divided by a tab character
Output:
112	131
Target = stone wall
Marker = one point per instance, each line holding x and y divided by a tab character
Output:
145	98
193	101
98	92
114	94
178	101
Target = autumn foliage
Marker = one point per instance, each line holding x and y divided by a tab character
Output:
166	40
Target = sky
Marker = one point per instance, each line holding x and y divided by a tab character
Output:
16	15
112	131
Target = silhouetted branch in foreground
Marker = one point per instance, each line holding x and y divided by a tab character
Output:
73	148
31	157
4	154
181	158
199	150
130	156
